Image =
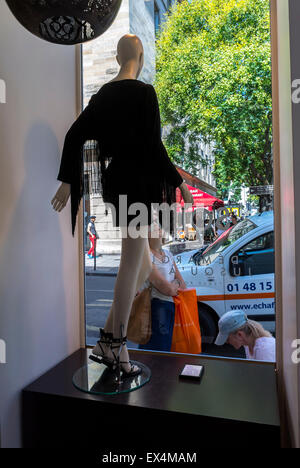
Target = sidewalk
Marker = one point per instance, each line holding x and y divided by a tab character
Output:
113	246
107	265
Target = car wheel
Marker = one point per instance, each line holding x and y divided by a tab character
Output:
208	326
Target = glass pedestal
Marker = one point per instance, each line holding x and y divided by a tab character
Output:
98	379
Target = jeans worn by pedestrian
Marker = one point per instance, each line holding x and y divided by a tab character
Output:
163	318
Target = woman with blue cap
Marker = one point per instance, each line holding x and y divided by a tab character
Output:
237	330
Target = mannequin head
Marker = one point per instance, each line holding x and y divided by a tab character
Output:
130	55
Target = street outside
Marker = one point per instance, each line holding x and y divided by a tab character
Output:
214	92
99	287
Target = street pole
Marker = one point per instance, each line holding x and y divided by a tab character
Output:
95	254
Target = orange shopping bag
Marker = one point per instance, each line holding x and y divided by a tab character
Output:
186	334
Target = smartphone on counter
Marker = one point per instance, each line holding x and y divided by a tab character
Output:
191	372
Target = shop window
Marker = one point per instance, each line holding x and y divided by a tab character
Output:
216	257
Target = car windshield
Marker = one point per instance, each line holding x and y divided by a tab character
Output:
224	241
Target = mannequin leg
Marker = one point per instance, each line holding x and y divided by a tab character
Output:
135	267
143	274
145	269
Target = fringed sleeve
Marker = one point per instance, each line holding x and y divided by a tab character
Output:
167	177
168	170
71	166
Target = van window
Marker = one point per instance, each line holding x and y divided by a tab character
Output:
224	241
255	258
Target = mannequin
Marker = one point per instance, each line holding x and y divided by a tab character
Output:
135	265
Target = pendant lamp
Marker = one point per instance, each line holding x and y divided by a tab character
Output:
65	21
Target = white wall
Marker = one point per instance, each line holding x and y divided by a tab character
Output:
39	273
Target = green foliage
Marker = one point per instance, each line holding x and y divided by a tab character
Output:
214	80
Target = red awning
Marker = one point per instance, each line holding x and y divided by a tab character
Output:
201	199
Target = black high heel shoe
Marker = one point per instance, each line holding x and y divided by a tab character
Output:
105	339
114	363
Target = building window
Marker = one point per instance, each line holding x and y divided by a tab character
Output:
156	18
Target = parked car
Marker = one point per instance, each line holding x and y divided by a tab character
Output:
234	272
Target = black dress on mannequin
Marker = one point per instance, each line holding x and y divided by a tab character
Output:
124	118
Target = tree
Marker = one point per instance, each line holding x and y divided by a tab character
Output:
214	81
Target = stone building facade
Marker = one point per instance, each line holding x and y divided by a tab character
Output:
140	17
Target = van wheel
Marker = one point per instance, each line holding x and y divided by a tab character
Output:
208	326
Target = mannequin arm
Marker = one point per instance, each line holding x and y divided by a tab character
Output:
154	128
186	194
169	169
79	132
61	197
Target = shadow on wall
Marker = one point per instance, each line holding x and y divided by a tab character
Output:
33	320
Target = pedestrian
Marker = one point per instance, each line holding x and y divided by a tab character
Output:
237	330
233	220
220	227
209	232
166	280
93	236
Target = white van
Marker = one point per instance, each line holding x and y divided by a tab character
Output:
235	272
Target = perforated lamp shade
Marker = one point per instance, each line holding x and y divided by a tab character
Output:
65	21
